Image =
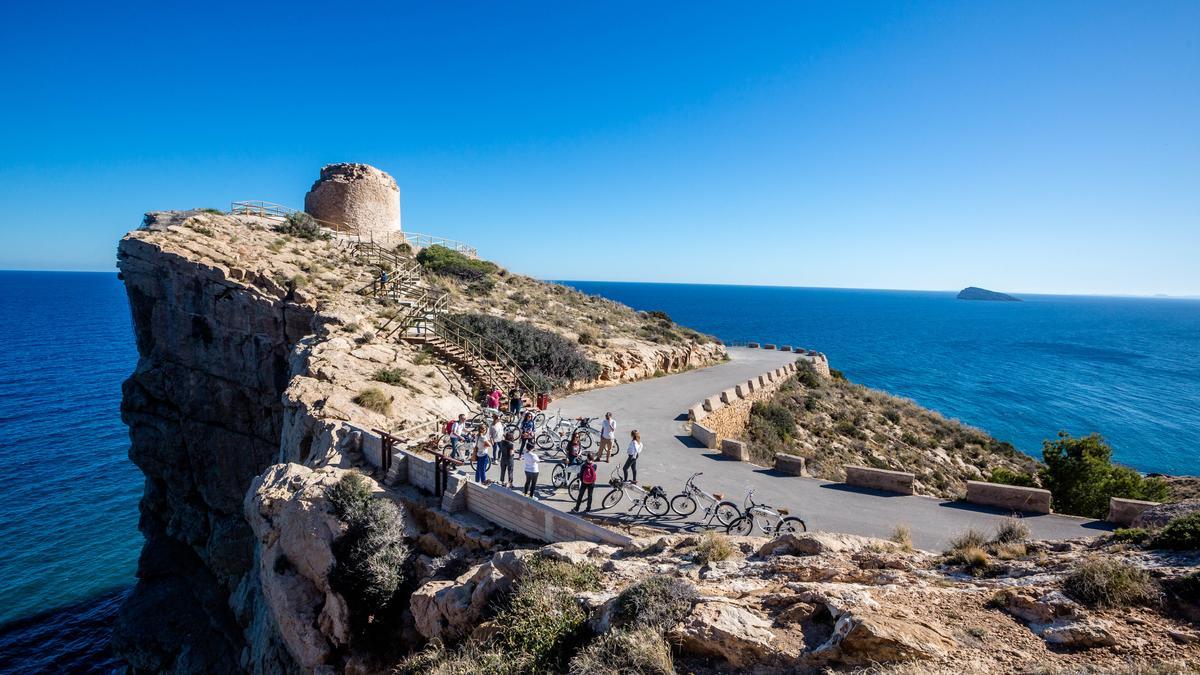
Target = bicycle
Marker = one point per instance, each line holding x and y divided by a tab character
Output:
770	520
715	506
653	499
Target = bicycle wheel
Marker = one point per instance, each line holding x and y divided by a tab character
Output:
684	505
613	498
727	512
573	488
585	441
742	526
791	525
657	505
543	441
539	420
558	477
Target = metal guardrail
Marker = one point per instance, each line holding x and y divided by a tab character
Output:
414	240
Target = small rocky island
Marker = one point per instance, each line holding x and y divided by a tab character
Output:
976	293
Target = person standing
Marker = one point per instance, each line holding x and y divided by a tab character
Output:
515	402
632	452
458	434
506	458
531	473
608	430
496	433
493	399
587	483
483	458
528	427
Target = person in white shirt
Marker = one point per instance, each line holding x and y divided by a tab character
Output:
633	451
496	431
531	473
458	433
608	429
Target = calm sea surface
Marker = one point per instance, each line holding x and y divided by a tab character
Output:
1128	368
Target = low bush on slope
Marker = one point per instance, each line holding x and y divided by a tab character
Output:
544	355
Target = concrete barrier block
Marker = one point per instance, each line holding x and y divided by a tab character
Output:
1125	511
743	390
762	380
713	404
790	464
899	482
785	348
705	435
734	449
768	346
1011	497
729	396
751	385
697	412
752	345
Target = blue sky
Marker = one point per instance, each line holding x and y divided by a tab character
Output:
1029	147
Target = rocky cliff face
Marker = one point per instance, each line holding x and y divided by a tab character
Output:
205	412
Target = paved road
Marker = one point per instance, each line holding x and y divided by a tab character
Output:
656	408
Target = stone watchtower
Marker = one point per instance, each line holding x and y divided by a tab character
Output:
358	197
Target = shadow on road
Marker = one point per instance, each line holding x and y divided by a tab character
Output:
992	510
842	487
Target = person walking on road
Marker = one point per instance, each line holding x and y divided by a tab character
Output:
483	457
633	451
531	460
587	483
608	430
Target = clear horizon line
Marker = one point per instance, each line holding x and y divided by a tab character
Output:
1100	294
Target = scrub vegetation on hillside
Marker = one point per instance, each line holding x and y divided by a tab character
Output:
833	423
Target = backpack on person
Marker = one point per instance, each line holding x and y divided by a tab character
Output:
588	473
449	428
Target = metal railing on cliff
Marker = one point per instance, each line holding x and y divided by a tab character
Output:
414	240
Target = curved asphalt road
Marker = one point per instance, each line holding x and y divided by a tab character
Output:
658	408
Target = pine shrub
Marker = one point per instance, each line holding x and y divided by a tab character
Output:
1181	534
658	602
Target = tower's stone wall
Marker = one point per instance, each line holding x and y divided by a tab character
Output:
357	196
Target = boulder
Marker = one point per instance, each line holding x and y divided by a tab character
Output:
877	638
577	552
724	630
1034	606
450	610
816	543
1078	634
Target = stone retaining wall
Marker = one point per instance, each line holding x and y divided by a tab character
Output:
1011	497
1125	511
899	482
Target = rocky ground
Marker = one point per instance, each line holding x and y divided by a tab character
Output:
819	601
833	423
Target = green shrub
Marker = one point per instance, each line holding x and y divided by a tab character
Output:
1181	534
1134	535
396	376
547	357
658	602
213	211
303	226
659	316
1009	477
778	419
448	262
618	652
373	398
713	547
470	659
371	557
1110	583
542	620
1011	531
1080	475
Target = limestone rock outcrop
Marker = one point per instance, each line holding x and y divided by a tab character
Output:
359	197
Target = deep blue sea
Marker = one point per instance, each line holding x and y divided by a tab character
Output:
1127	368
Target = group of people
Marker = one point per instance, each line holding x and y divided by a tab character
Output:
492	444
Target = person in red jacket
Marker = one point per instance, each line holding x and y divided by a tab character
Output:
587	483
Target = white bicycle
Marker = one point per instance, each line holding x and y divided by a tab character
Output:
653	499
715	505
770	520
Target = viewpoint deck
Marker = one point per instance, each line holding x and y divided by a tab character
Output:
655	408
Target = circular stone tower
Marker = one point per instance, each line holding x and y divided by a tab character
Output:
358	197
